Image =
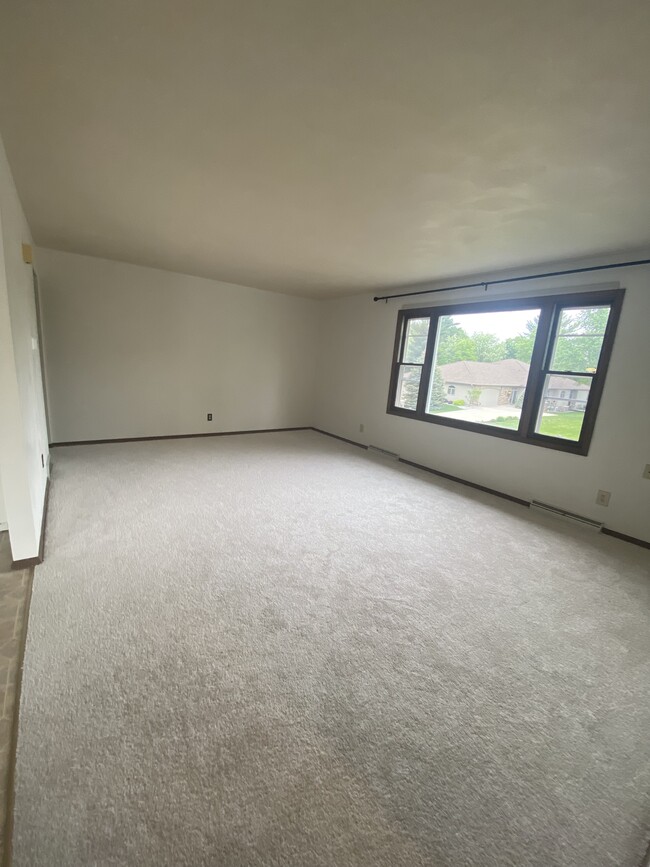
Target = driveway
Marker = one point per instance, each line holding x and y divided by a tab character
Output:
485	413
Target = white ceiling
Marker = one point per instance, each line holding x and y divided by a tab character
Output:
329	146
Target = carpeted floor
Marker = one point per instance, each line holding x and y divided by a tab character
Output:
275	650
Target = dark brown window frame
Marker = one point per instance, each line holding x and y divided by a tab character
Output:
550	307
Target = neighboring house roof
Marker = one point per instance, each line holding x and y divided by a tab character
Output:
510	372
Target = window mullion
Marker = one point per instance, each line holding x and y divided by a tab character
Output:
548	320
551	372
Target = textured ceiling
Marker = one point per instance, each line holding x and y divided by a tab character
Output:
329	147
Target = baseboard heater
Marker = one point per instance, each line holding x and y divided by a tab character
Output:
566	516
383	453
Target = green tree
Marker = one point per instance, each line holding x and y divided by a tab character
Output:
454	344
521	347
438	395
416	341
409	388
580	339
456	348
487	347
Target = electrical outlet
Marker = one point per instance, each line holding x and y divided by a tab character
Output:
360	428
602	498
646	472
209	416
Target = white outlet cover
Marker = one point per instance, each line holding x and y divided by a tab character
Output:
602	498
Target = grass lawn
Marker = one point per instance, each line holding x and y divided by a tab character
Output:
511	421
566	425
447	407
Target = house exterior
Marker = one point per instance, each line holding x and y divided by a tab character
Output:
503	383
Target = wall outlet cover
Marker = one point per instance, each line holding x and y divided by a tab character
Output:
602	498
209	416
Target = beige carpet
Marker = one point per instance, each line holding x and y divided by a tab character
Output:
275	650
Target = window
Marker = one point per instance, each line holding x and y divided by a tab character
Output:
530	370
410	373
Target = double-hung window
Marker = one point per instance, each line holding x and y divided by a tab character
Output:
530	369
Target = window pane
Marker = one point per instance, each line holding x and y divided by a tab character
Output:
415	341
481	366
580	338
408	386
564	401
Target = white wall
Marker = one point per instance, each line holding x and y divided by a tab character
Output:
3	511
23	433
357	340
133	351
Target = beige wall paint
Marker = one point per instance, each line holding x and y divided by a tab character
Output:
133	351
3	511
23	431
356	351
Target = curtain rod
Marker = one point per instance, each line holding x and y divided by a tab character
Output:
485	283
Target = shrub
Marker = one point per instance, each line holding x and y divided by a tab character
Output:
459	403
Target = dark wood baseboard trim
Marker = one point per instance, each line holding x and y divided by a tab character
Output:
27	563
337	437
624	538
13	746
474	485
432	471
34	561
605	530
221	433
